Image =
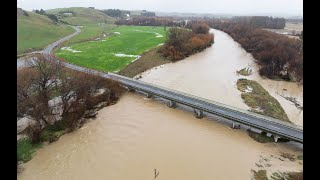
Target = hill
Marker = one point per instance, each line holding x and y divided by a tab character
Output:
81	15
35	31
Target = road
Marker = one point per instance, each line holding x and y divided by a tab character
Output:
49	48
274	126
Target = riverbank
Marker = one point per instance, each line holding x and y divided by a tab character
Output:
148	60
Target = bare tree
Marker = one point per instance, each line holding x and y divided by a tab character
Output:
48	92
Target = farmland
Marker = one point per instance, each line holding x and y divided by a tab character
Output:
118	48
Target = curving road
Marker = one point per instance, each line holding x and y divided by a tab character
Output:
49	48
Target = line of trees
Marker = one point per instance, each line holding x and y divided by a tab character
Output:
116	13
277	55
53	17
261	21
47	93
150	21
183	42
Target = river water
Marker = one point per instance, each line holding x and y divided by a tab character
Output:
137	135
212	74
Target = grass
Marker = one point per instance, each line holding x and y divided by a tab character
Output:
287	176
147	61
300	157
82	16
90	32
262	138
53	132
260	175
100	54
288	156
35	32
25	149
260	98
245	71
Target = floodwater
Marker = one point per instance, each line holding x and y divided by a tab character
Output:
211	74
130	139
137	135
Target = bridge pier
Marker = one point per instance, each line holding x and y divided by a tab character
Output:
148	95
276	138
198	113
171	104
130	89
235	126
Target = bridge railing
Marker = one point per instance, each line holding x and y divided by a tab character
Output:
274	120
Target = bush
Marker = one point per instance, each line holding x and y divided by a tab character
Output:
25	148
182	43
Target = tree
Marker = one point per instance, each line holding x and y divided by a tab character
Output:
47	92
53	17
42	12
200	28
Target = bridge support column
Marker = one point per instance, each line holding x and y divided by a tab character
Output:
171	104
276	138
130	89
149	95
198	113
235	126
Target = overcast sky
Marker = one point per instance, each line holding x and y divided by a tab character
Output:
290	7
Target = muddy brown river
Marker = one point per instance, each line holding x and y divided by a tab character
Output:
130	139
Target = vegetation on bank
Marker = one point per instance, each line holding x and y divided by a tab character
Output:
263	138
260	101
147	61
182	43
112	53
260	21
262	175
287	176
277	55
35	31
25	149
76	97
247	71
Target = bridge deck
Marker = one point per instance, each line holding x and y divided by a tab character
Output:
263	123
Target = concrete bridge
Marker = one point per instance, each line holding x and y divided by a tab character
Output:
276	127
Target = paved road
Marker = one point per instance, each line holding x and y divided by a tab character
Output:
49	48
264	123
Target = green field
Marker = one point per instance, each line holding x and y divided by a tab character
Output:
90	31
104	53
94	23
81	16
34	32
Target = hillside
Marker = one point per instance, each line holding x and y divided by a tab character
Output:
35	31
81	15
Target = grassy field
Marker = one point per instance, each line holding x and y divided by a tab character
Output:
90	32
256	97
94	23
147	61
112	53
34	32
81	16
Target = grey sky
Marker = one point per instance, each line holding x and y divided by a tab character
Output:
289	7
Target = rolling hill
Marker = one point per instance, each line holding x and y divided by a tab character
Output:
81	15
35	31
